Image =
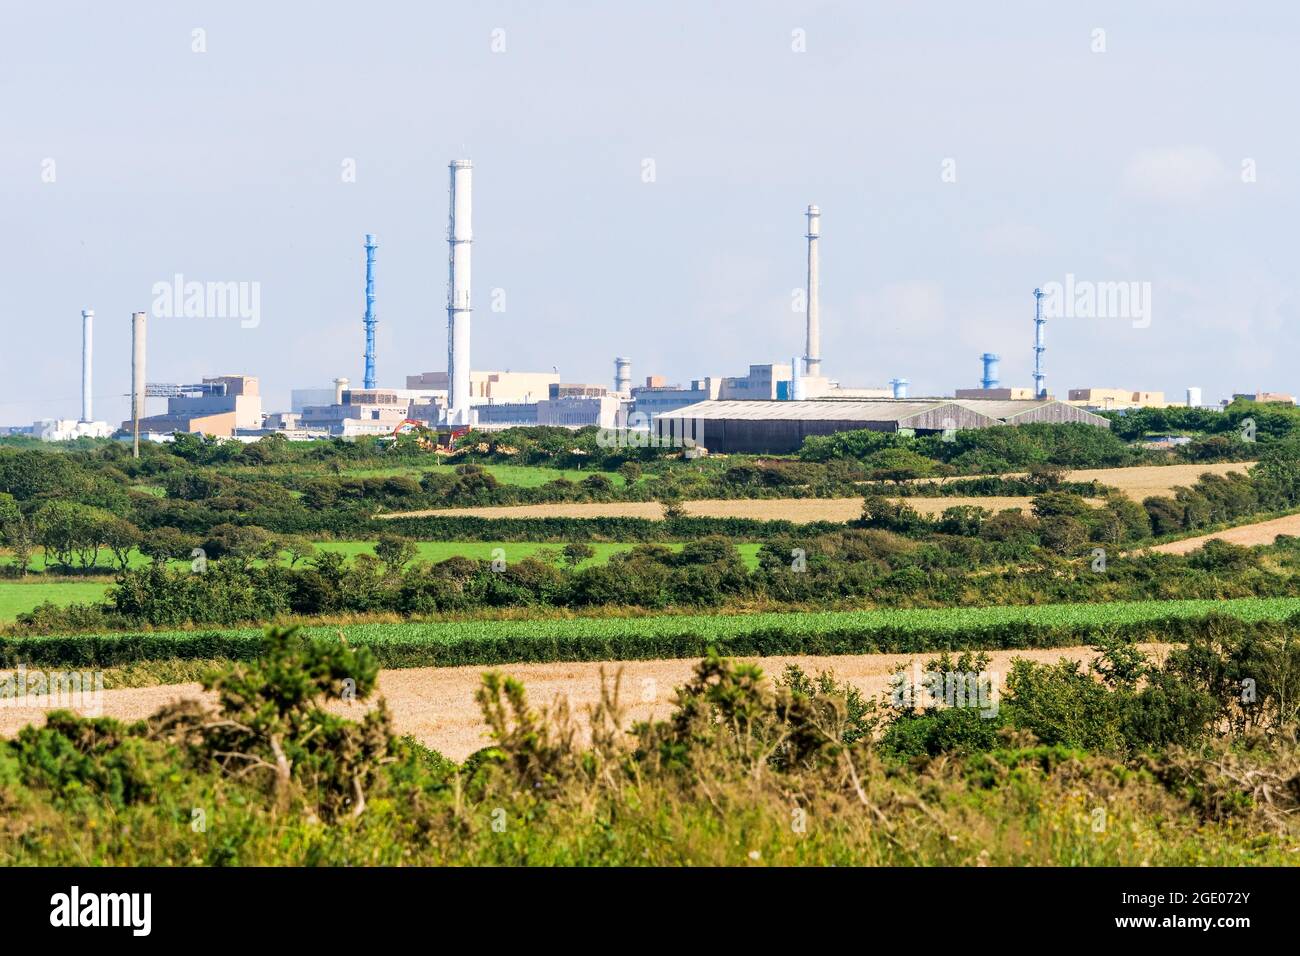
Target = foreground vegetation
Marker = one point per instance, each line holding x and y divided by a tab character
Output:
1134	764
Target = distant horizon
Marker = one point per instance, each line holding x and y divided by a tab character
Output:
641	177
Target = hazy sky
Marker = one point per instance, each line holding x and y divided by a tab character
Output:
229	165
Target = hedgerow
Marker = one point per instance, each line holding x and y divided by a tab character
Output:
446	644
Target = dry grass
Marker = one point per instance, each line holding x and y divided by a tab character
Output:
1137	483
1148	480
436	704
1262	532
799	510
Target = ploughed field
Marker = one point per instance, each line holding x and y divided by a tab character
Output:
798	510
1261	532
1138	483
436	704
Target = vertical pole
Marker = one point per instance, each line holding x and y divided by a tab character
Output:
459	238
812	365
87	361
137	377
370	320
1040	378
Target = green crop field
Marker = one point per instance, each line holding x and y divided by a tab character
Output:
497	641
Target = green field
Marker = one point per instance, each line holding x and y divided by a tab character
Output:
439	551
525	476
514	550
17	597
652	636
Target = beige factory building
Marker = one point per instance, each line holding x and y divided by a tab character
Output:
218	407
494	387
1105	399
997	394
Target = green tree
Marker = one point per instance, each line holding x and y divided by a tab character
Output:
575	552
167	544
17	532
297	547
395	552
121	537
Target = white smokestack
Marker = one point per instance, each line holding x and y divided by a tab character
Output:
812	363
459	237
796	381
623	376
137	376
87	357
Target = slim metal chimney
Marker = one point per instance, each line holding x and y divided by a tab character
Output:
1040	377
137	378
460	238
812	363
87	358
370	319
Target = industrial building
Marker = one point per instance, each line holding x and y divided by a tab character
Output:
300	398
217	406
568	406
484	387
996	394
771	408
1278	397
67	429
781	427
1113	399
655	397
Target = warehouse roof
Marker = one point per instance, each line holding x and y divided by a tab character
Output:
864	410
976	412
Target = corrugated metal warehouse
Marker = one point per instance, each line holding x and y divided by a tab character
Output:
780	427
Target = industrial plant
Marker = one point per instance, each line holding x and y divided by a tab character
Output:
771	408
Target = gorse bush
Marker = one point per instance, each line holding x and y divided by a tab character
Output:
743	770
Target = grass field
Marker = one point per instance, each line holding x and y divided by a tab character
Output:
524	476
513	550
17	597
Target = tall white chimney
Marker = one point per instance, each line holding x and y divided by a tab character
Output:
623	376
87	356
812	363
460	238
137	377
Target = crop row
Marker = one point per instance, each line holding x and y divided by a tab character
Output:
415	644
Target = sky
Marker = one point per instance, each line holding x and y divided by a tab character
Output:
640	176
